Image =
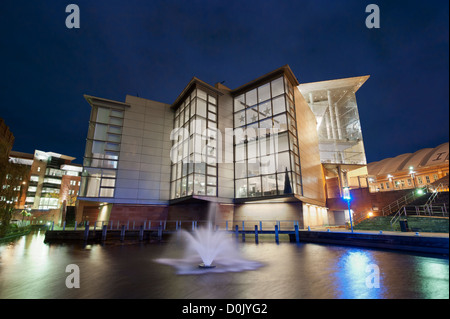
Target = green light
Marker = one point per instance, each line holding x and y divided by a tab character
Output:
420	192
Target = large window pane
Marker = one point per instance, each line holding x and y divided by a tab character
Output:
280	122
241	188
100	132
240	169
265	110
269	185
253	168
264	92
102	115
239	103
252	114
277	87
199	184
254	187
250	98
283	162
239	118
279	105
201	108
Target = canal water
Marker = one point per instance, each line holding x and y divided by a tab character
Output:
30	268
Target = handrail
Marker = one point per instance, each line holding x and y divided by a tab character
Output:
408	198
432	198
397	216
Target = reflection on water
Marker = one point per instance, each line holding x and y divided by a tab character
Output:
31	269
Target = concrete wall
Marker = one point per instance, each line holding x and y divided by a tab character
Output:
143	175
226	166
269	211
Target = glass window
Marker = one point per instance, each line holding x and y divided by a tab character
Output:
115	129
254	187
211	191
201	108
241	188
269	185
201	94
265	110
212	108
240	169
239	103
199	184
240	152
212	99
279	105
116	121
252	114
100	132
268	165
250	98
239	118
283	162
211	116
117	113
211	180
280	123
102	115
106	192
264	93
252	148
277	87
253	168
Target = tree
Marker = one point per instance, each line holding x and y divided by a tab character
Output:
12	176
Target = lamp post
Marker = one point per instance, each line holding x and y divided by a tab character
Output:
348	198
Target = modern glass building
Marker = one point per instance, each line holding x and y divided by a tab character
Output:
258	152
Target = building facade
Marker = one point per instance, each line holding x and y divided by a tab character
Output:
411	170
262	151
54	181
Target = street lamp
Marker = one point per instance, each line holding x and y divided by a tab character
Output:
348	198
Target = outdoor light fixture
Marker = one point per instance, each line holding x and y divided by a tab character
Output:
348	198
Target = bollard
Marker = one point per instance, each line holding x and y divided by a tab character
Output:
276	234
86	231
297	235
122	233
53	225
64	226
193	225
256	234
149	225
141	232
309	228
226	225
75	228
104	230
260	225
237	232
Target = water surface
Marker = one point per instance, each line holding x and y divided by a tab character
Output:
29	268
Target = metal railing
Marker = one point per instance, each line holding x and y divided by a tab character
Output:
399	203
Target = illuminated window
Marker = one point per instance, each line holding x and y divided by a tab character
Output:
260	167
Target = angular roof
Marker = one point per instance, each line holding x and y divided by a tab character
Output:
422	158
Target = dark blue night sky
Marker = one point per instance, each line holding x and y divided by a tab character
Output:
153	48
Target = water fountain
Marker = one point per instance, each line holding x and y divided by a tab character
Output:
209	250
